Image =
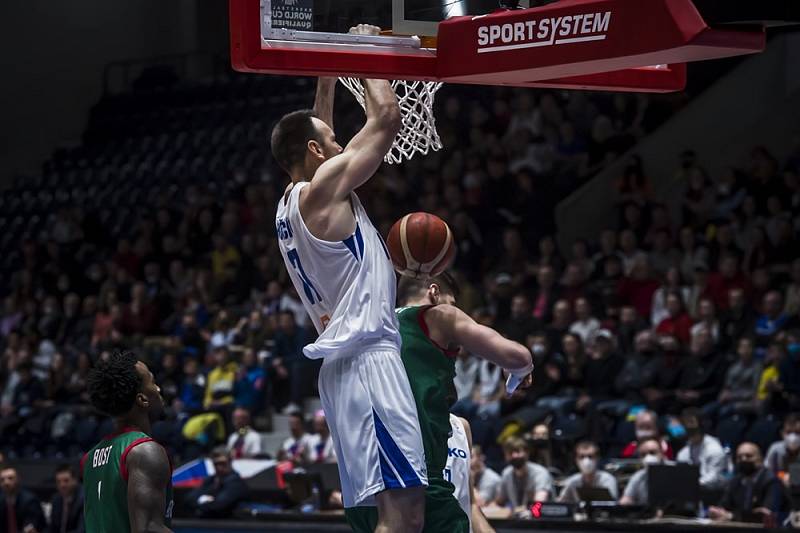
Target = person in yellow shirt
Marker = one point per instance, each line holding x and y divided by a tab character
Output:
219	386
225	259
769	383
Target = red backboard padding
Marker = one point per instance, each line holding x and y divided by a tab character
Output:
646	80
593	44
609	35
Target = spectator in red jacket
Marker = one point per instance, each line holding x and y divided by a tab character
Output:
638	289
678	323
573	283
729	277
138	317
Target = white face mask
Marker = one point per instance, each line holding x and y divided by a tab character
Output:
651	459
792	441
587	465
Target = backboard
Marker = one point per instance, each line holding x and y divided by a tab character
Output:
403	17
629	45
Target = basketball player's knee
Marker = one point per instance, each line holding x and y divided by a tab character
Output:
412	512
402	510
415	519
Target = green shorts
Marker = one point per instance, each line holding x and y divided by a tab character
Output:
443	514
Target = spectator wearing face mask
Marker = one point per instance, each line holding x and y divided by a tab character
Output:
542	452
526	407
703	450
754	494
522	482
783	453
586	458
646	426
650	453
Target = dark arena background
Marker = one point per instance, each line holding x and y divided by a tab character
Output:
644	246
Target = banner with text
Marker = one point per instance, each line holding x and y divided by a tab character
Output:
293	14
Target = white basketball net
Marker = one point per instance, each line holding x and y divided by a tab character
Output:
418	134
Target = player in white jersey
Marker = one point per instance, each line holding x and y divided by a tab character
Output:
458	472
341	269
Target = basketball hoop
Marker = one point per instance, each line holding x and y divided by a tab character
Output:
418	134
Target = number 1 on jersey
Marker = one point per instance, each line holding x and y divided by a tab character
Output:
99	486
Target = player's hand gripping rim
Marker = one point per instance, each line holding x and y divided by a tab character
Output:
365	29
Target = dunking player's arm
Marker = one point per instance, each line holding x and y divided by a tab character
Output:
323	101
479	522
148	477
448	325
325	203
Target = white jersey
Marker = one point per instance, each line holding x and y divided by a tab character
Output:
347	287
456	471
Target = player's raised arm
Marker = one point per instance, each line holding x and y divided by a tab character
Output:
148	477
454	324
323	101
339	176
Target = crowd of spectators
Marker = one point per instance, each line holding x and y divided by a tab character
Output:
22	510
663	334
190	276
666	320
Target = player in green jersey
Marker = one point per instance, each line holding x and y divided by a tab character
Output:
432	329
127	476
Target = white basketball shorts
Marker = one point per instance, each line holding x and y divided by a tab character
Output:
373	420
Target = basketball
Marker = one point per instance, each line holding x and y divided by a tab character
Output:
421	245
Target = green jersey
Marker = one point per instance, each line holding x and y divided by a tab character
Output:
105	483
430	370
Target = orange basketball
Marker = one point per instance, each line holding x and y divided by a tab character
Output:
421	245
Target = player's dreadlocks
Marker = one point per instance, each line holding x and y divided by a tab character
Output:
113	384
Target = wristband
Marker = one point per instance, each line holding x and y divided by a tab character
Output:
516	377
